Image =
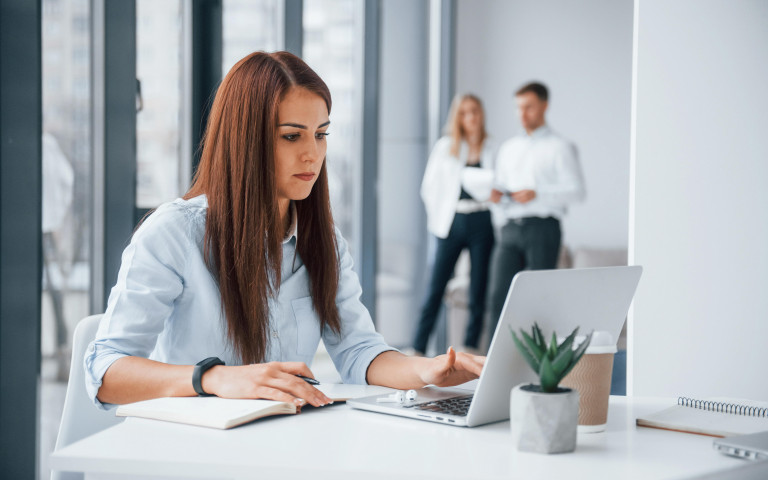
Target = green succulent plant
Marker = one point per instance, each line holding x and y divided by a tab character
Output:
551	363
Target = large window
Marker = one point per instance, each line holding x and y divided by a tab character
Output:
162	171
248	26
332	36
332	48
67	180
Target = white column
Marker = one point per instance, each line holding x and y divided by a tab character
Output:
699	223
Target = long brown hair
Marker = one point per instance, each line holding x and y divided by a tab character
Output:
454	128
243	233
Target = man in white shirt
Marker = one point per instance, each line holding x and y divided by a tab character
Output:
537	177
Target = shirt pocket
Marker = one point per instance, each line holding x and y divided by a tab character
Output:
307	326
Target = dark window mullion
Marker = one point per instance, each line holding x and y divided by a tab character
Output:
369	151
20	234
293	26
206	66
117	131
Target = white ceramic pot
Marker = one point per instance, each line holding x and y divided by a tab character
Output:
543	422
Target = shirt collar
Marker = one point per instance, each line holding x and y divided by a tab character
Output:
293	227
539	132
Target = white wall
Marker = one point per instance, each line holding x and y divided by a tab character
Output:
583	52
700	320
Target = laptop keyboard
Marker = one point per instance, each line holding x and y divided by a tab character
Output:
453	406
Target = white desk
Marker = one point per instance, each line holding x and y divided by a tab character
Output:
338	442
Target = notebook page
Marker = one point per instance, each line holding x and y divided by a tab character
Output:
206	411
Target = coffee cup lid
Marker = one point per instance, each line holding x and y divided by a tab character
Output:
602	342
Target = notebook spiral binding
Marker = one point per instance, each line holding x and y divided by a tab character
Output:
735	408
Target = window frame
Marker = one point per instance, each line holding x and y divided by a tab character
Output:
20	234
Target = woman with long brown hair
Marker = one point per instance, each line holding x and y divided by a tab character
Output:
229	290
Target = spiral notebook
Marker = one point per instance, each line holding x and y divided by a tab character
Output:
716	417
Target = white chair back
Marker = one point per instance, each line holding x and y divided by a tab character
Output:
80	417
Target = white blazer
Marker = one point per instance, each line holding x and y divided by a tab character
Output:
446	174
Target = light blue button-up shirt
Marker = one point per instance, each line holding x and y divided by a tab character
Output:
166	305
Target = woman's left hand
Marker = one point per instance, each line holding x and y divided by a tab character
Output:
452	368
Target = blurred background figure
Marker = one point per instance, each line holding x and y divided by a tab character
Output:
58	180
537	176
455	190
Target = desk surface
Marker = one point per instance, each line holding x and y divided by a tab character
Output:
338	442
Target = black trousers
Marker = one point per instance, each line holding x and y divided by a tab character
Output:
475	232
531	243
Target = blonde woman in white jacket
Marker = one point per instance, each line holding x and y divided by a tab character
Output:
456	187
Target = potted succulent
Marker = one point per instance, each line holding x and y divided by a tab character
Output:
544	417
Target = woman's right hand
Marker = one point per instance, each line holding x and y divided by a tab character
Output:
270	381
496	196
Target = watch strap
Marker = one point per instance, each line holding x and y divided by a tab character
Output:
197	374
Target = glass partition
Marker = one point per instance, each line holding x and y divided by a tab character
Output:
248	26
332	47
159	99
67	205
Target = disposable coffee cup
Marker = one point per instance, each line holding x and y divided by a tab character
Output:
591	377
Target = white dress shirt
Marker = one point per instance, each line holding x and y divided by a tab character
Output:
544	162
166	305
444	177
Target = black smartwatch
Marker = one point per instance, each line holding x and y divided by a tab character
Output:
197	374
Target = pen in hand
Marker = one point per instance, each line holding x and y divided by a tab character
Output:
309	380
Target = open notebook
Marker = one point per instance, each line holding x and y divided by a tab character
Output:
226	413
716	417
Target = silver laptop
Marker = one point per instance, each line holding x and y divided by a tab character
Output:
558	300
